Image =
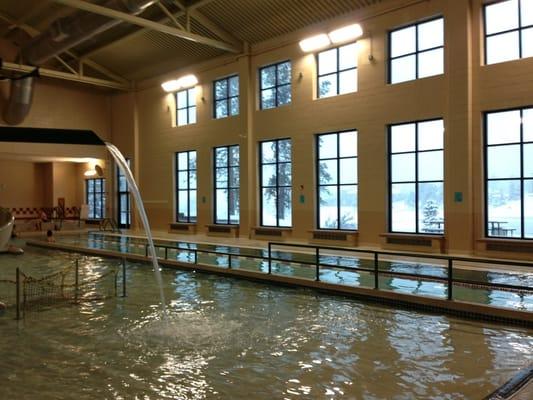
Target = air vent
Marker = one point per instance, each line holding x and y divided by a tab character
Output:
268	232
179	227
409	241
218	229
511	247
340	236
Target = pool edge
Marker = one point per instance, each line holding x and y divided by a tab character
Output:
458	308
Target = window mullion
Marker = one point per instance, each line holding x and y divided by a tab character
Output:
519	33
417	183
522	183
277	175
338	183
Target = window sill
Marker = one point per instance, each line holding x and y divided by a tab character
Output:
182	227
223	230
334	236
333	96
414	242
269	232
506	246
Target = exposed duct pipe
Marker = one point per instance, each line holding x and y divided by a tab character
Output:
20	99
62	35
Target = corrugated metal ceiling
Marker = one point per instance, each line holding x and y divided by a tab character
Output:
257	20
136	53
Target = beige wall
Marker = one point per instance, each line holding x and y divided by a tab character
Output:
57	104
66	184
40	184
21	184
459	96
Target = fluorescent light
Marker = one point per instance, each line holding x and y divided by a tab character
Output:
170	86
184	82
90	172
315	43
346	33
187	81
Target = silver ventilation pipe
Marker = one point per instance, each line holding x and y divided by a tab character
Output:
63	34
20	98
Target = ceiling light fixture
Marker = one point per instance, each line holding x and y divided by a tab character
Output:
184	82
320	41
346	33
315	43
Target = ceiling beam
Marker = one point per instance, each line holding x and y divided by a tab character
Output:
138	33
7	66
83	5
170	15
209	24
34	32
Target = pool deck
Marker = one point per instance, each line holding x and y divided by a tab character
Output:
454	307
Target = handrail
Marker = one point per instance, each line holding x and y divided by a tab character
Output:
376	253
274	256
414	255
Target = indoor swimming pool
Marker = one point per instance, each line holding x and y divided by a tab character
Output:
420	276
227	338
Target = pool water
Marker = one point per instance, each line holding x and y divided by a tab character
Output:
293	264
233	339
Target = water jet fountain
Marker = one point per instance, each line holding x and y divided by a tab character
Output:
87	137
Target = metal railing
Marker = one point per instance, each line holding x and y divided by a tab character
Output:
450	280
195	252
314	253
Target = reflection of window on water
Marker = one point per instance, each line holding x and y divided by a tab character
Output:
417	177
337	180
509	173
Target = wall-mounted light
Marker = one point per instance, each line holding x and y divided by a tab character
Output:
184	82
90	172
344	34
97	170
315	43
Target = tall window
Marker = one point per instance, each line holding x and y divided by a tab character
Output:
226	97
337	71
416	173
186	186
276	183
123	197
227	185
275	85
416	51
508	30
509	173
95	189
186	106
337	180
